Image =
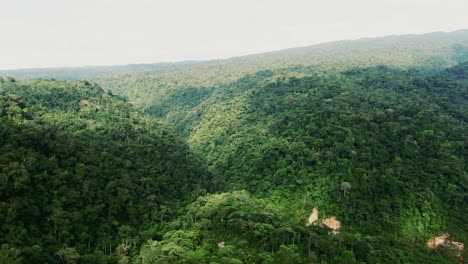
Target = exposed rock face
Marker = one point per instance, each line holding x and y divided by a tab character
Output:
313	216
333	223
445	240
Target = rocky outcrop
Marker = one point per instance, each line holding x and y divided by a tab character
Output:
445	240
333	224
330	222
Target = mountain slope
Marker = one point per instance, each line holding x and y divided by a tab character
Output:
150	89
81	172
345	152
381	149
387	132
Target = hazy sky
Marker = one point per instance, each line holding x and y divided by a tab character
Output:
51	33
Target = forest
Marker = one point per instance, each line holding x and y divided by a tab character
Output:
346	152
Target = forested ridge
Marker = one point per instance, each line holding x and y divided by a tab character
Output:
82	172
354	153
383	149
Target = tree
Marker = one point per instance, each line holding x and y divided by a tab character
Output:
68	255
10	255
345	187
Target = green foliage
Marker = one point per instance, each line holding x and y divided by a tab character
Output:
381	148
9	255
82	171
238	228
389	134
365	132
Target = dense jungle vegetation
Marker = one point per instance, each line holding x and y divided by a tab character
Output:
224	161
81	171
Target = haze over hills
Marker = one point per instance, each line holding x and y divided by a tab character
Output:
428	50
151	91
88	72
342	152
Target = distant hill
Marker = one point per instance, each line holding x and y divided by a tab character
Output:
88	72
429	51
433	50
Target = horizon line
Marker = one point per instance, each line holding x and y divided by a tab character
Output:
196	61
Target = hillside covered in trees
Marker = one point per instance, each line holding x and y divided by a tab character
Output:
82	172
152	90
347	152
382	149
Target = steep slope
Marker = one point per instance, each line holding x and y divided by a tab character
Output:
81	172
396	138
370	133
381	149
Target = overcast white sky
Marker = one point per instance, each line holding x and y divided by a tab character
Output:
52	33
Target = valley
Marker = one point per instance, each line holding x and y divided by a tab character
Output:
343	152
